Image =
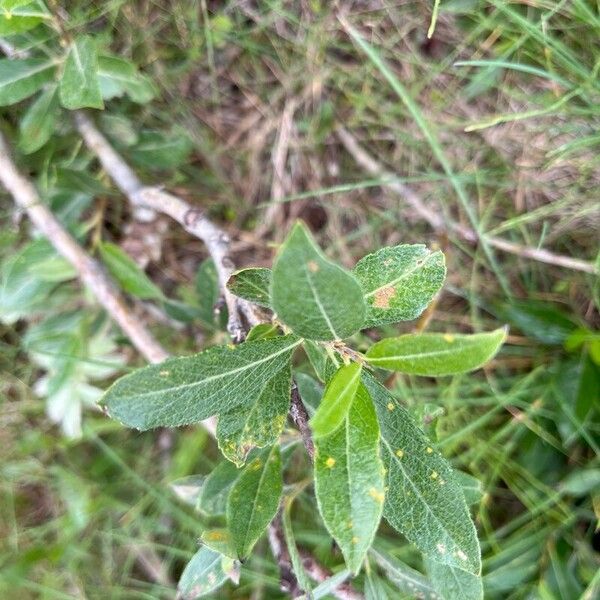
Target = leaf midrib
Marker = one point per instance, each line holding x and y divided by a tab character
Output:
420	355
26	74
319	304
225	374
341	395
418	494
253	510
404	275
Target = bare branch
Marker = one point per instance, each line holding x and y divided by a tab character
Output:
155	200
434	218
89	271
288	582
300	417
318	573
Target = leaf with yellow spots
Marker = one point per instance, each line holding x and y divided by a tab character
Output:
206	572
254	500
349	480
317	299
424	500
399	282
181	391
436	354
218	540
259	424
337	400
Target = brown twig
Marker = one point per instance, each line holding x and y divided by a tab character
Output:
439	224
89	271
288	582
300	417
148	200
344	591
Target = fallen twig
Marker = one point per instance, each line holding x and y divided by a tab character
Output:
439	224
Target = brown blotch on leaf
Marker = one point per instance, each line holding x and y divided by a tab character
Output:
383	296
313	267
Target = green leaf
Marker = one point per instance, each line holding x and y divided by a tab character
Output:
424	501
119	129
160	151
319	359
79	87
337	400
21	293
206	284
185	390
17	16
252	285
260	423
219	540
349	480
129	276
290	542
452	583
20	78
117	76
471	487
436	354
39	121
188	489
215	490
55	269
311	391
542	321
314	297
399	282
263	331
254	500
206	572
405	578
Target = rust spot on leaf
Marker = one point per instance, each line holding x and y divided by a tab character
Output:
382	297
313	267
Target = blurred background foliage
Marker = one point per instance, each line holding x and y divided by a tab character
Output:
235	106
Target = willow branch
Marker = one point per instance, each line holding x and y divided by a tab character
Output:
27	199
439	224
147	200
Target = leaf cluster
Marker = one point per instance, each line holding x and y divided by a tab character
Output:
371	459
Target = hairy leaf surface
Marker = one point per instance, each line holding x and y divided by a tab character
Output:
424	501
258	424
20	78
399	282
349	480
314	297
436	354
252	284
181	391
453	583
337	400
254	500
79	86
